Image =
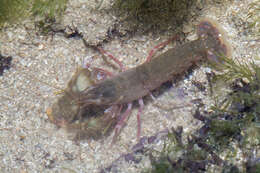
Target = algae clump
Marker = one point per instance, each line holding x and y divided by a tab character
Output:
14	11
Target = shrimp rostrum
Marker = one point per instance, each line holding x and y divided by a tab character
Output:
86	99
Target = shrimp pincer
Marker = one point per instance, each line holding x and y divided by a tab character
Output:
88	121
132	84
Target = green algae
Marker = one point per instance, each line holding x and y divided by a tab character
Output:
154	12
162	14
48	8
14	11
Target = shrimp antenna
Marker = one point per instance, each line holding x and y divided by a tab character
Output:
45	83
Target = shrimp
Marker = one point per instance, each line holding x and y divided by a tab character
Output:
135	83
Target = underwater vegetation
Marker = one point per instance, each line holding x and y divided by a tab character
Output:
231	131
159	13
155	12
13	11
48	8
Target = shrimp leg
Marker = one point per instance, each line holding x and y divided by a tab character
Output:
159	46
141	107
121	122
104	53
126	114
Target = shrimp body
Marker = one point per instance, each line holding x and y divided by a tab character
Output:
137	82
91	107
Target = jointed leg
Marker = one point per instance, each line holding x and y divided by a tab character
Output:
122	120
104	73
159	46
141	107
126	114
103	52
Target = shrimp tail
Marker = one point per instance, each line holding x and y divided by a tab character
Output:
208	28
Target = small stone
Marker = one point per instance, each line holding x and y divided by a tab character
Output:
40	46
187	28
245	80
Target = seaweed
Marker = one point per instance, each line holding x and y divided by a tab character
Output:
14	11
48	8
151	14
47	13
155	12
179	157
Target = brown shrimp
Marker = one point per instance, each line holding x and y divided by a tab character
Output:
137	82
85	98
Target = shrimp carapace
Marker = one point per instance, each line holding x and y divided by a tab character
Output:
66	108
81	121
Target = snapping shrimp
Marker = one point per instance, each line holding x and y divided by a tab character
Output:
133	84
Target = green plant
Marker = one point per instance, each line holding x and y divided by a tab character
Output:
155	12
49	8
13	11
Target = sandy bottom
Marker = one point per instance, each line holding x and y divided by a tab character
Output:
43	64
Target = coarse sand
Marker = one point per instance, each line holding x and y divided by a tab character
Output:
42	65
